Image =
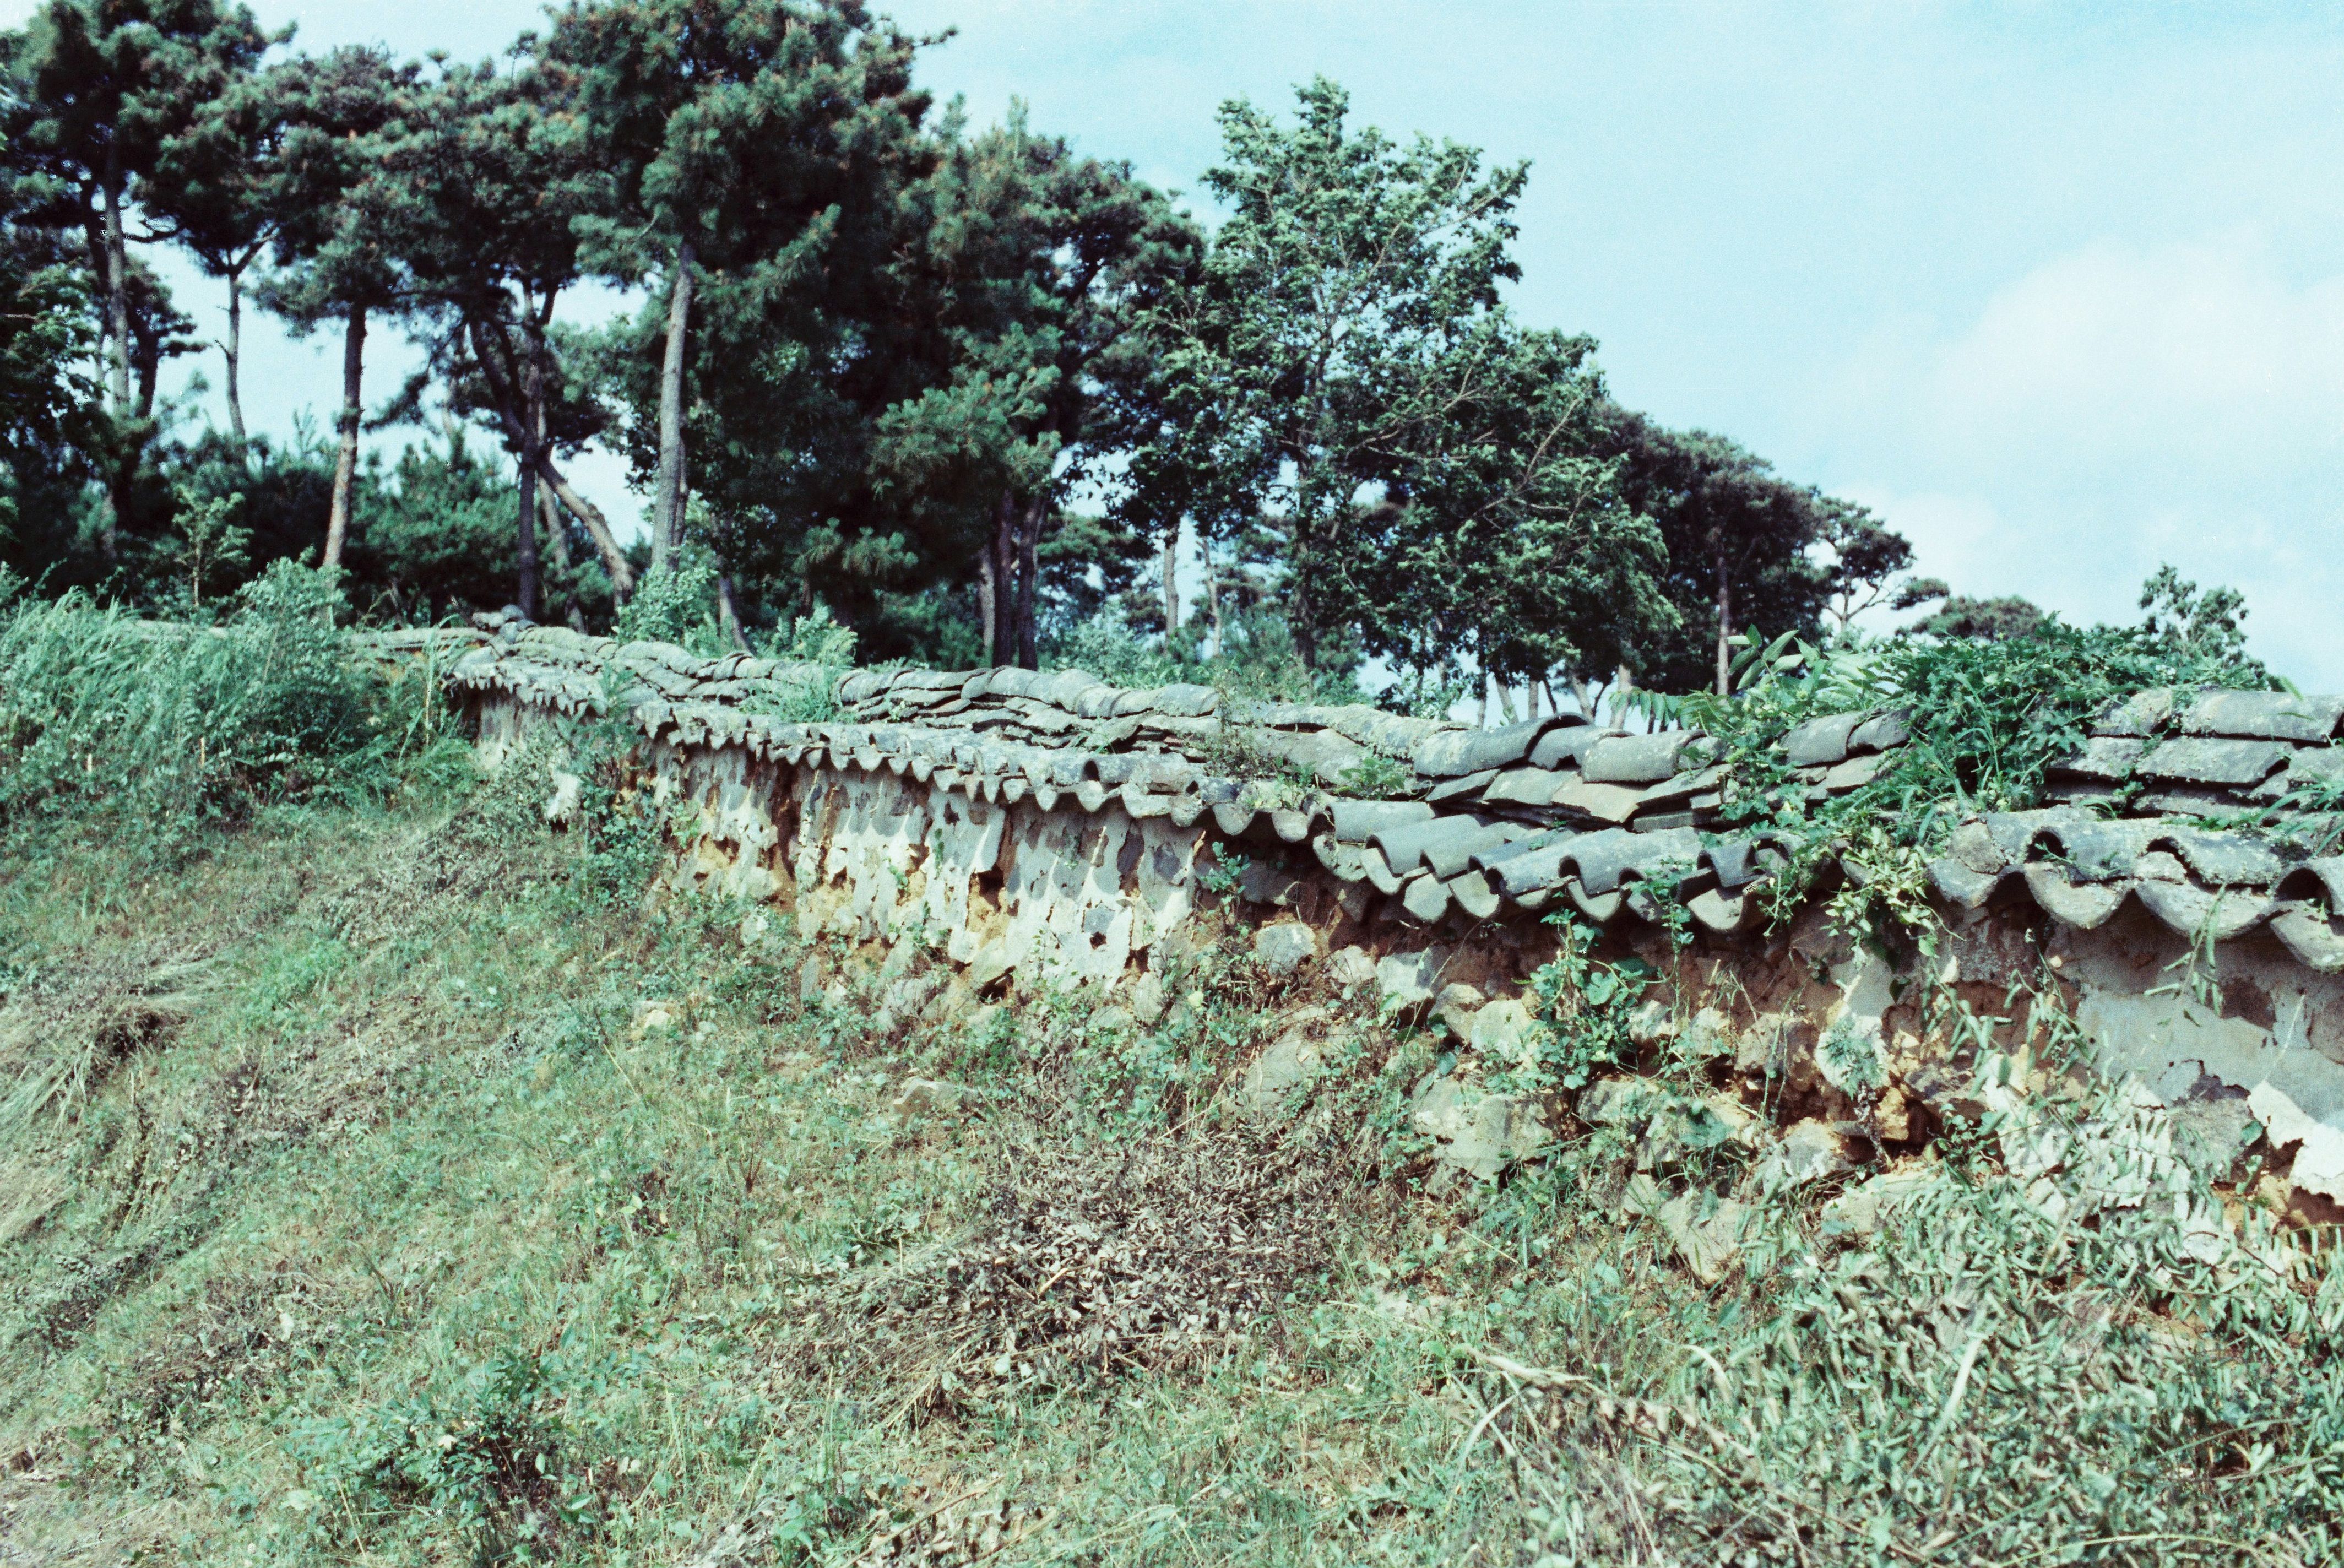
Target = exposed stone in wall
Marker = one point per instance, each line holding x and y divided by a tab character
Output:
1026	865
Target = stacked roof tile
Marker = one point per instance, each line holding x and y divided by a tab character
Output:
1556	812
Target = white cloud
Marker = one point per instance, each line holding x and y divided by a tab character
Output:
2197	353
2117	407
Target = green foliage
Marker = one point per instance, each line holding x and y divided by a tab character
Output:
1988	717
676	602
167	727
1226	872
207	543
1586	1004
1988	619
1374	778
1345	367
814	638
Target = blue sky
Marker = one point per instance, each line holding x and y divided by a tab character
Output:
2057	288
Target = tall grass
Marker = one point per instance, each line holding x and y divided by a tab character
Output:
169	726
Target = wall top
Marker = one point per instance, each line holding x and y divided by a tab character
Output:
2184	802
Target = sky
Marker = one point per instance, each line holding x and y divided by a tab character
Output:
2056	287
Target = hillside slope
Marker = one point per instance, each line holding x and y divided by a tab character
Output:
368	1208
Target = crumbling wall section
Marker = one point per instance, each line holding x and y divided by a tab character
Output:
1021	869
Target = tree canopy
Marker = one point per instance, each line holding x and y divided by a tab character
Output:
979	393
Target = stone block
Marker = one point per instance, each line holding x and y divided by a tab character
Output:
1284	947
1504	1031
1821	742
1409	978
2235	764
1349	966
2264	715
1635	759
1478	1132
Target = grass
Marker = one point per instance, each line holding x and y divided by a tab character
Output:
400	1186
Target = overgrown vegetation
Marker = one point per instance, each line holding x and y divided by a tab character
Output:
158	728
395	1182
1988	718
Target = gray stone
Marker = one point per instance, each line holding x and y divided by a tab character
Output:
932	1097
1359	821
1286	947
2264	715
1615	1102
1863	1209
1504	1031
1635	759
2211	1133
1882	731
1477	1133
992	961
2107	757
2210	762
1820	743
1454	1009
1707	1232
1148	999
2139	715
1563	747
1856	772
1409	978
1349	966
1292	1062
1807	1152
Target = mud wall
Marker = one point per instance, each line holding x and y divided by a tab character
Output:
1013	888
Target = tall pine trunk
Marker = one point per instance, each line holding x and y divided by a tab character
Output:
233	352
557	539
526	593
346	449
667	526
1171	583
1029	540
988	597
1213	597
728	613
1001	635
118	287
1724	627
532	416
117	328
1301	610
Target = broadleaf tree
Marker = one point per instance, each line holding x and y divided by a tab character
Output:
1345	369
